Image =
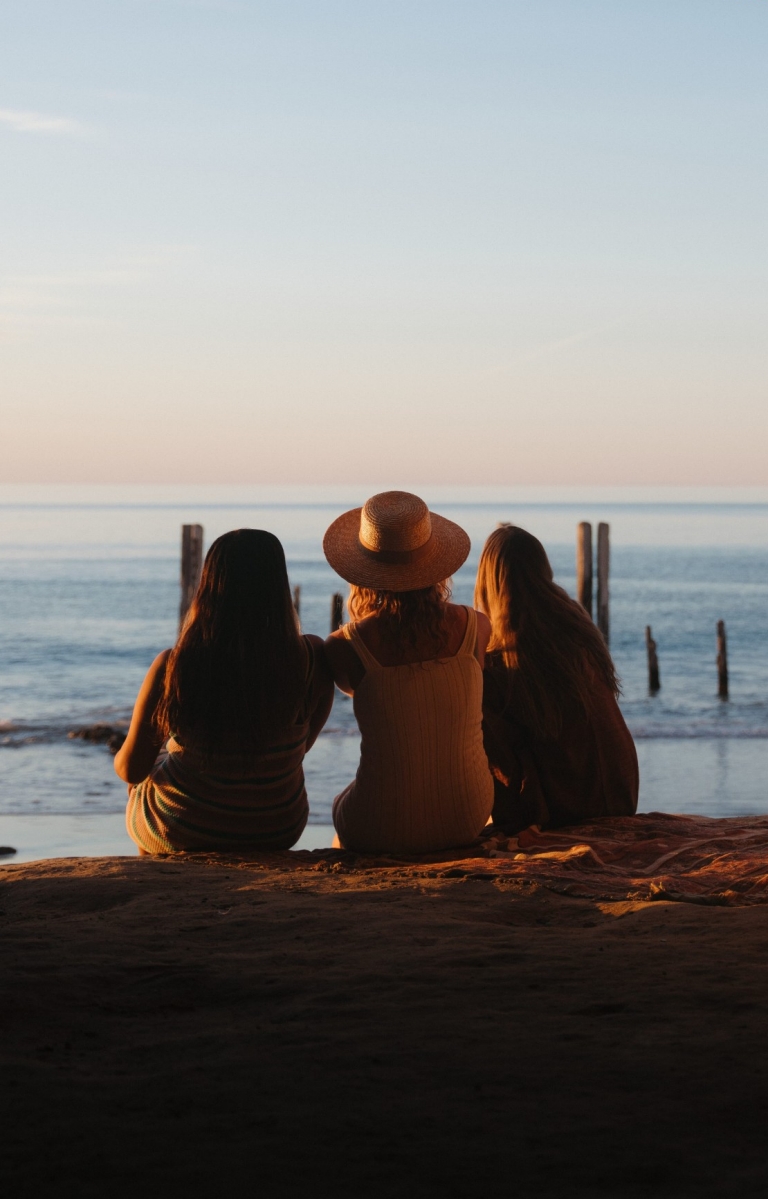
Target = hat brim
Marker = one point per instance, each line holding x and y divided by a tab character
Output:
448	549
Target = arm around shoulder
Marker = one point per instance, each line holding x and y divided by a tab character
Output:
344	663
138	754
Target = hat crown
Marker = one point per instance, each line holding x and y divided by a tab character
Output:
394	521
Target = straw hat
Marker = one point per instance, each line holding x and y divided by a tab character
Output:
394	543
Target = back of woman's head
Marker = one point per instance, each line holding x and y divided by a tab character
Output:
405	617
237	670
542	642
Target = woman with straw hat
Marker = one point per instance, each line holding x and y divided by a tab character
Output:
414	664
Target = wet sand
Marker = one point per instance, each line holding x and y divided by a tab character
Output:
184	1026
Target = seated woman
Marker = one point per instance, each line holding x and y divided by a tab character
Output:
413	662
239	701
556	741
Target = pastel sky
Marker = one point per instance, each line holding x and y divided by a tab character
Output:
470	241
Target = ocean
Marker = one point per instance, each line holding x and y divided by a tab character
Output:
89	593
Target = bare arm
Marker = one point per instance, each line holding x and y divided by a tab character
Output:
483	637
346	667
138	754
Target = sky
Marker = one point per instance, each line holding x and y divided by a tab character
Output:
374	241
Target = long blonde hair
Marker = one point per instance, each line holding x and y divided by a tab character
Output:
544	648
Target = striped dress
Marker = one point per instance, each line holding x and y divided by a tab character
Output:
423	783
227	801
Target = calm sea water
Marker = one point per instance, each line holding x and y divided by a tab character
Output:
89	593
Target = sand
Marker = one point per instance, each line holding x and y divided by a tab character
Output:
321	1023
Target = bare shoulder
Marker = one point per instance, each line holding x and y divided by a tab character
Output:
483	628
156	673
344	663
483	623
338	649
154	681
482	637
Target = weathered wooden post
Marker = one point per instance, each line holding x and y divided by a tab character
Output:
191	565
603	565
653	662
584	565
297	599
722	661
337	612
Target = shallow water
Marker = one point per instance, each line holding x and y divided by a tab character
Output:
710	778
89	594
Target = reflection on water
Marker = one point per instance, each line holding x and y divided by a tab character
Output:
38	837
89	593
719	777
712	778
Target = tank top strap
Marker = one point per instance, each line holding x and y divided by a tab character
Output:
470	635
361	649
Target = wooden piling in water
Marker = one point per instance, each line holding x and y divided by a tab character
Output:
722	661
337	612
654	683
584	565
603	567
191	565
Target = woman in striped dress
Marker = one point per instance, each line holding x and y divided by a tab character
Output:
236	704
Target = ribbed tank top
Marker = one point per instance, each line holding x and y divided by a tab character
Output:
423	783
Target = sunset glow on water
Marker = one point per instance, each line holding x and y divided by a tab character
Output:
89	594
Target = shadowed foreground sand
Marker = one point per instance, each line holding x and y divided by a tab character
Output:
286	1027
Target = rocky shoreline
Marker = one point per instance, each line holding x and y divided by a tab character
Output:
110	735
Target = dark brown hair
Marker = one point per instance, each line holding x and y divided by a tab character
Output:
237	671
406	615
543	644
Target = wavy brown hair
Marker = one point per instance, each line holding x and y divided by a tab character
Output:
237	672
406	616
544	647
